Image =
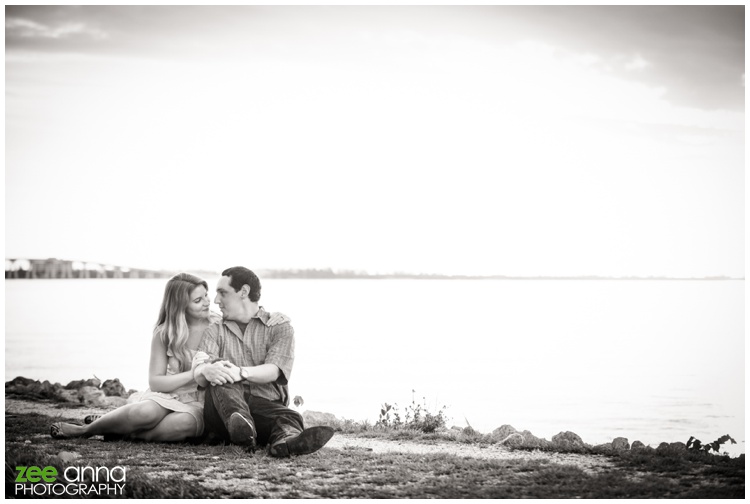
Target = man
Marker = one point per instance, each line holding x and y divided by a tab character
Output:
247	397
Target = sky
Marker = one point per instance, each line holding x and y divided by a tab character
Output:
492	140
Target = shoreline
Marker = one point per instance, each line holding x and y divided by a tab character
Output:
387	464
110	394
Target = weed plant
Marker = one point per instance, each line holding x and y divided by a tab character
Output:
415	417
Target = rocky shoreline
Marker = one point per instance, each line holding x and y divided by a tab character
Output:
87	392
110	394
360	461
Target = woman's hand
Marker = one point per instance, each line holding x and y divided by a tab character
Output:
278	318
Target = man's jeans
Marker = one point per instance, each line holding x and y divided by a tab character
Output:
272	420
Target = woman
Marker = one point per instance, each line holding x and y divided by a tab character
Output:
172	408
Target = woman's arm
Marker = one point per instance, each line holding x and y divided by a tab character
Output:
277	318
158	380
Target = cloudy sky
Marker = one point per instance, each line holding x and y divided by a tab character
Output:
478	140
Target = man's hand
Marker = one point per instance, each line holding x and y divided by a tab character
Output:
218	374
233	370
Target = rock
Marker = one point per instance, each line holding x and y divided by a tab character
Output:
28	441
19	380
674	448
604	447
620	444
30	388
469	431
678	447
65	395
91	382
531	441
637	445
91	396
313	418
514	439
67	457
503	432
114	388
568	439
456	428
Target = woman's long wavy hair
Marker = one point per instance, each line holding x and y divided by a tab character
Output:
172	325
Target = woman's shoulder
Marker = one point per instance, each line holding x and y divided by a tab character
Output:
215	318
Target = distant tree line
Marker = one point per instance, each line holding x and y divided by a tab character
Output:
328	273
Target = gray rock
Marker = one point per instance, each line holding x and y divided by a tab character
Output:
531	441
674	448
637	445
605	447
469	431
65	395
568	439
77	384
32	389
503	432
514	439
313	418
114	388
91	396
620	444
19	380
678	447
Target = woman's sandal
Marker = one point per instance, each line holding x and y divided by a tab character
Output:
57	431
91	418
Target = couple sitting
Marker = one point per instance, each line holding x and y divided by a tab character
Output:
229	374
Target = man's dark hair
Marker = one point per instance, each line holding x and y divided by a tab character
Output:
241	276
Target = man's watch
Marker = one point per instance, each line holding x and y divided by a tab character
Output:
244	374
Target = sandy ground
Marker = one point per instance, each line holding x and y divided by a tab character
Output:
588	463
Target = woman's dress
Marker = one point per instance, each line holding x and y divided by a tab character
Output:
186	399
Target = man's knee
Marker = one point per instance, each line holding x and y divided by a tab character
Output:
231	389
296	416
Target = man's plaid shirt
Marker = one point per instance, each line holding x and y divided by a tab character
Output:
260	344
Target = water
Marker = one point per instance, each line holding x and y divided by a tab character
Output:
648	360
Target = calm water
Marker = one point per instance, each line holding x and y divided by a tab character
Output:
651	360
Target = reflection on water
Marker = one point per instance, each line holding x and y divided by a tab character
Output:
601	358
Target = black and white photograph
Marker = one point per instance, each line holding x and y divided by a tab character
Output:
375	251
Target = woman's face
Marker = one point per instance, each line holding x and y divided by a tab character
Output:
198	304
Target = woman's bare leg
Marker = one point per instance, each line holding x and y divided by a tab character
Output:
143	415
174	427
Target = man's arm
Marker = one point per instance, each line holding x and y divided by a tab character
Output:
265	373
280	355
279	358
